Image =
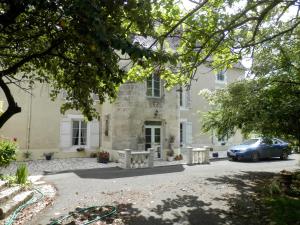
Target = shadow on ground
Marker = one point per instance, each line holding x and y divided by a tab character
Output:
244	208
263	160
116	172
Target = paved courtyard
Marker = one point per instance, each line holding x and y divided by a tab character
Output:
39	167
165	195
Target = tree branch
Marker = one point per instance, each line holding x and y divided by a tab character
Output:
12	108
14	68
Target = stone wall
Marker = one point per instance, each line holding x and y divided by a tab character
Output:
132	108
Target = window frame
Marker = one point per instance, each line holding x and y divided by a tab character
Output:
153	81
184	98
223	73
106	125
80	131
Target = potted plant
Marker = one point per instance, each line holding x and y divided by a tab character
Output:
48	155
81	149
27	154
170	152
93	155
103	157
178	157
170	155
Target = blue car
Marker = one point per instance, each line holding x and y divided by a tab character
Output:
259	148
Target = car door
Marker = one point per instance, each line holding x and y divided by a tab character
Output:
265	148
277	147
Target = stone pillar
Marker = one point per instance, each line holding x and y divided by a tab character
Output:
151	157
189	153
207	149
127	158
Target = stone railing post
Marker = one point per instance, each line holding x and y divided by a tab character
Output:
207	149
151	157
189	151
127	158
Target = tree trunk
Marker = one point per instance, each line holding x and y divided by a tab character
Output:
12	108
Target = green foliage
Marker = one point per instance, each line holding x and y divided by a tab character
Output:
284	210
87	47
76	46
22	174
274	188
281	196
7	152
267	104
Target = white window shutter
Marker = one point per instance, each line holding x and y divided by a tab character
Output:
66	133
189	133
184	133
94	134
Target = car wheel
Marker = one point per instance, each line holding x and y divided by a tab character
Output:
284	155
255	157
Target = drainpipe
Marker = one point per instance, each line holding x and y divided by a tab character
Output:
29	120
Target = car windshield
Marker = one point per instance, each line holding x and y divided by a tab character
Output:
250	141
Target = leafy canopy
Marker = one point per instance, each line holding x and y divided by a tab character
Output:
267	104
84	47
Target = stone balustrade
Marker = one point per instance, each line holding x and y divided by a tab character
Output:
130	159
198	155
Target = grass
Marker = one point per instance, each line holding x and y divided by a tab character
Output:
282	199
284	210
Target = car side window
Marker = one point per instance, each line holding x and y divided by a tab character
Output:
267	141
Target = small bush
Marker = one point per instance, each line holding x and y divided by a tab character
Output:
7	152
11	180
22	174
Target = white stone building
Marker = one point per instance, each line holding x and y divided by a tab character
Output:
144	115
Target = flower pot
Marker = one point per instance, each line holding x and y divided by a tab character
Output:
48	157
101	160
170	158
215	154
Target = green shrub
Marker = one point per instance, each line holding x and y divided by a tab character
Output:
274	188
7	152
22	174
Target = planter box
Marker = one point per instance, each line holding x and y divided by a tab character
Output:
215	154
102	160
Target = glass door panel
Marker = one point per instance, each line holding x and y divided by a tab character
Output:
153	139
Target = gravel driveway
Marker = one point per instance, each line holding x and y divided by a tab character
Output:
177	194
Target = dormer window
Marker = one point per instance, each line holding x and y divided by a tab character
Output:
153	86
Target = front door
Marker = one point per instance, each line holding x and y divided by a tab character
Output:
153	139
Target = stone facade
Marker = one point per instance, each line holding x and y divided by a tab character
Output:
132	112
190	113
145	115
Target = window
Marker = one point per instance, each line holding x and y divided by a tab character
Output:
222	140
181	135
153	86
185	98
106	132
181	97
79	132
186	134
221	76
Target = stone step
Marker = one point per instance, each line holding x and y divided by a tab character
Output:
8	193
14	203
3	184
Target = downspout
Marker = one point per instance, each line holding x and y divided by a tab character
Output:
29	121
